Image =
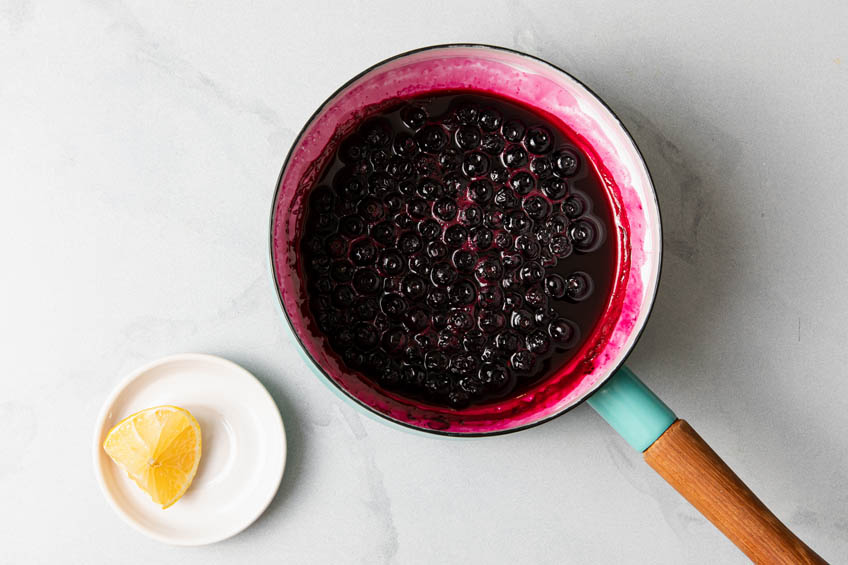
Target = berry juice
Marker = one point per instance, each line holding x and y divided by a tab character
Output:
455	248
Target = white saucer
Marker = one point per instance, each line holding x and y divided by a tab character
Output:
244	449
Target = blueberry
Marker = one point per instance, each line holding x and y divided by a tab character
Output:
507	341
503	241
424	341
379	159
365	336
472	216
456	235
352	149
436	250
394	340
341	271
481	238
439	320
390	262
514	157
463	260
492	375
398	168
475	164
412	374
578	286
555	286
445	209
531	272
437	297
323	285
493	219
407	188
522	182
506	199
480	191
523	361
366	281
384	233
447	340
432	138
454	184
522	320
376	133
325	222
513	130
536	207
488	271
336	246
352	226
512	301
314	244
419	264
353	357
560	246
574	206
517	222
393	203
393	305
425	165
467	115
404	222
564	163
416	319
409	243
413	287
538	140
430	189
322	199
460	321
442	274
473	341
462	293
492	144
499	175
436	361
556	223
458	399
544	316
450	159
320	263
554	188
467	137
489	119
464	364
491	298
535	297
405	145
512	261
437	384
528	246
363	252
562	331
429	229
540	166
490	321
413	117
584	234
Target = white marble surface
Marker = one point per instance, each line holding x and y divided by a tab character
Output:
139	146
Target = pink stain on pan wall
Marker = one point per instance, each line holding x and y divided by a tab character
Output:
605	142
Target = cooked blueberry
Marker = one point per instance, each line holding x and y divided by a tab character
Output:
493	219
432	138
463	260
475	164
436	361
384	232
405	145
430	189
564	163
394	340
416	319
528	246
393	203
491	297
499	175
488	270
535	297
379	159
404	222
456	235
429	229
562	331
574	206
462	293
425	165
353	149
436	250
450	159
540	166
517	222
320	263
507	341
480	191
414	287
538	140
555	286
471	216
554	188
460	321
363	252
354	358
467	137
467	114
522	320
409	243
536	207
437	384
506	199
492	375
512	261
376	133
399	168
514	157
352	226
523	361
473	341
442	274
366	281
464	364
513	130
419	264
393	305
512	301
413	117
447	339
560	246
445	209
490	321
458	399
454	184
437	297
492	144
531	272
522	182
365	336
341	271
390	262
584	234
407	187
578	286
489	119
336	246
556	223
481	238
544	316
503	241
439	321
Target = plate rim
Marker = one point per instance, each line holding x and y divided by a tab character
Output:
131	377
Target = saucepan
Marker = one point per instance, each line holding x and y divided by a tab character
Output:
668	444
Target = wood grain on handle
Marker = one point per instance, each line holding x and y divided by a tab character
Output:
685	460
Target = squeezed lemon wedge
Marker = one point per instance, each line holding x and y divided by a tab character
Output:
159	448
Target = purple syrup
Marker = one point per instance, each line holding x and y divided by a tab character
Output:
456	249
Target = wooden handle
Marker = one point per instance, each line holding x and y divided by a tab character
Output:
685	460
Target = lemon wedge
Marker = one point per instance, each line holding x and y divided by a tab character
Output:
159	448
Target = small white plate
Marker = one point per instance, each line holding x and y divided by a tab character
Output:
244	449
